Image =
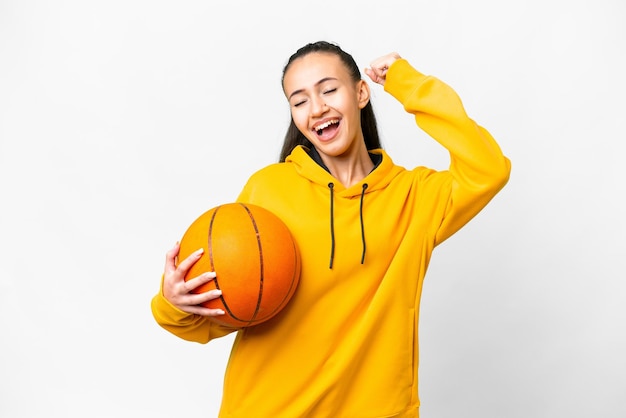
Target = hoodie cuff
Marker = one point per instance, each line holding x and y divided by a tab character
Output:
166	313
402	80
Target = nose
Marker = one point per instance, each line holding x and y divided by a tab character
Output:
318	107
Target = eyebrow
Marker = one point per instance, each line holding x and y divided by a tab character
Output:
323	80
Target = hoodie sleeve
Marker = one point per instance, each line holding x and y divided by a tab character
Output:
478	168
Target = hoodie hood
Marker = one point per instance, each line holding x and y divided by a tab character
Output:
379	178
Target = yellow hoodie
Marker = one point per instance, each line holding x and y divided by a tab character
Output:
346	345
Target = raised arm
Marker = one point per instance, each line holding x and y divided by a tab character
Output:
477	165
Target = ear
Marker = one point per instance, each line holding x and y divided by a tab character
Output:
363	93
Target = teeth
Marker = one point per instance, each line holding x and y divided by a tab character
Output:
325	125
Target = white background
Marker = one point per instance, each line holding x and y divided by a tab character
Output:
121	121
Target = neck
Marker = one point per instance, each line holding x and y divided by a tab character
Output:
349	169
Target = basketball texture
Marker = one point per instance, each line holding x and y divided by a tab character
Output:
254	256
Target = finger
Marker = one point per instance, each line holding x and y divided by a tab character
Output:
376	76
186	264
201	310
371	74
385	60
196	282
170	257
380	65
201	298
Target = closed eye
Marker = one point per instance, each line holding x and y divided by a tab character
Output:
330	91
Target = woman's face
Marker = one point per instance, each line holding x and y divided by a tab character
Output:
326	103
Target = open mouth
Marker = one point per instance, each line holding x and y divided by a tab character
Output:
327	129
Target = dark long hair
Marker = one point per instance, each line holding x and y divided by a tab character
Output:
294	137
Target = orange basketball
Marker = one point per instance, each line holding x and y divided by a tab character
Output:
254	256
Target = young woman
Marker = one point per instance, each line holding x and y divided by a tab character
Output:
346	344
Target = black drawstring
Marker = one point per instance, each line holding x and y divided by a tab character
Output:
331	187
332	226
362	225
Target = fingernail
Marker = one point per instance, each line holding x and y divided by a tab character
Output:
198	252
